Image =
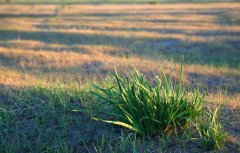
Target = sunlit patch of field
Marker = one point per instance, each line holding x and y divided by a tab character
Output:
206	34
82	43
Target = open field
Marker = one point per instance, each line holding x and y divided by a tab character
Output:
109	1
75	45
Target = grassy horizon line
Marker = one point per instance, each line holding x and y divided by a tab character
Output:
110	1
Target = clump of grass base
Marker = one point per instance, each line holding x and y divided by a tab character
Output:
151	109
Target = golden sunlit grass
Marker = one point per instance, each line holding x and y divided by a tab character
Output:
80	44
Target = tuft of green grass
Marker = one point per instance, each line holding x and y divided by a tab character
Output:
212	134
150	109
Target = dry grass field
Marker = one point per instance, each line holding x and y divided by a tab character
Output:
77	44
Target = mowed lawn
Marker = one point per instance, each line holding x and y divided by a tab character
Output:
75	45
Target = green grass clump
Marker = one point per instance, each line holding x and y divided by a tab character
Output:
212	134
151	109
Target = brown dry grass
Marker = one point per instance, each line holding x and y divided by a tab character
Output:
35	41
83	43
